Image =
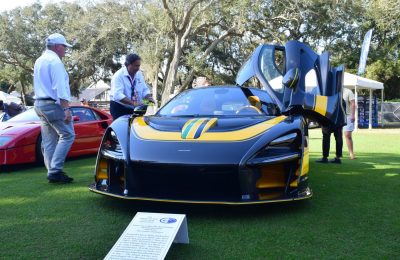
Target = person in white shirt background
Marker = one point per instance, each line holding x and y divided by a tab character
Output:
349	99
128	88
52	97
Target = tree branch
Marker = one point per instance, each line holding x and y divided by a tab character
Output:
16	63
231	31
187	18
187	31
206	26
202	9
171	15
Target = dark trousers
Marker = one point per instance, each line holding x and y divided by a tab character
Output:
326	141
118	110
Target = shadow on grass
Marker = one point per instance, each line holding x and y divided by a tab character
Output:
363	164
205	210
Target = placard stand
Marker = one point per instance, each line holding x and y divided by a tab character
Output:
149	236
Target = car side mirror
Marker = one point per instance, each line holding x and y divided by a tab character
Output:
291	78
75	118
140	110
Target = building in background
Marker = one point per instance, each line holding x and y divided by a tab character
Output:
7	98
97	95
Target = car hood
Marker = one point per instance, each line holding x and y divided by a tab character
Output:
17	128
207	140
202	128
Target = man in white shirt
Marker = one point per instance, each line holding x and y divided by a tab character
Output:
52	97
128	88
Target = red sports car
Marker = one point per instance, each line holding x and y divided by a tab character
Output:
20	137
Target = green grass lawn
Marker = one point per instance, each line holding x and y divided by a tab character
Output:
354	213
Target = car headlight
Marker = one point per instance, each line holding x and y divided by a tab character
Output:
110	164
111	147
4	140
284	140
283	148
114	136
111	142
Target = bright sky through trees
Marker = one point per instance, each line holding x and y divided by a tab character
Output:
8	5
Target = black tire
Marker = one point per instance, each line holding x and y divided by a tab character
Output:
39	151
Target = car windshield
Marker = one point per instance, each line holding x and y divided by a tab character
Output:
221	101
29	115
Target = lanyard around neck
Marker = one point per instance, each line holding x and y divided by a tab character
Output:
133	84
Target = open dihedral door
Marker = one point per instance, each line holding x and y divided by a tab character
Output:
324	104
282	71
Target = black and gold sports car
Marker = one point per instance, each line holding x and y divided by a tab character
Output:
238	144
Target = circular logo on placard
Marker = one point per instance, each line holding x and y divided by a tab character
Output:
168	220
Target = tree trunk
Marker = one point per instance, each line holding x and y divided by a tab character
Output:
23	91
165	73
11	88
155	89
170	81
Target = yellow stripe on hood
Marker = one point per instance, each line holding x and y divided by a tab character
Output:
144	131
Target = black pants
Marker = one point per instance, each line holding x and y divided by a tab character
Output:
118	110
326	141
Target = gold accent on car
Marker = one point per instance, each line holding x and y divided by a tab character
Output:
144	131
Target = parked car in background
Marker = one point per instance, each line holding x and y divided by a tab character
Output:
20	136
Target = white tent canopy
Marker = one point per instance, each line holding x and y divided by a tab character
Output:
352	81
93	91
7	98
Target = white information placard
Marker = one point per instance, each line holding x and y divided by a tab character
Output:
149	236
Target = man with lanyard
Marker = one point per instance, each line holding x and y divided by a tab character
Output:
52	97
128	88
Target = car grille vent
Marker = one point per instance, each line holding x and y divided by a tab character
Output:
212	183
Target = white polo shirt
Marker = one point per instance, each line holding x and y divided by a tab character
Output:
121	85
50	79
348	96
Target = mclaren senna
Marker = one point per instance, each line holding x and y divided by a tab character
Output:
242	144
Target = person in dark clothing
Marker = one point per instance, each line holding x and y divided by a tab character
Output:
337	131
13	109
10	110
326	142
